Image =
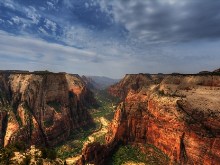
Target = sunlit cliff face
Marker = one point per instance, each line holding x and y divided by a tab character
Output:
42	108
176	113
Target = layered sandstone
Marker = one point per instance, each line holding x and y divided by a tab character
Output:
179	114
41	108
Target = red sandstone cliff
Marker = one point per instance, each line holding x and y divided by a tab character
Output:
41	108
179	114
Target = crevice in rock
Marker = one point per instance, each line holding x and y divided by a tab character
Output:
4	128
183	154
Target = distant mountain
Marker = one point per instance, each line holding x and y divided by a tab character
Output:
217	71
99	82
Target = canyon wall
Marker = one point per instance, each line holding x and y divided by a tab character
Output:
41	108
179	114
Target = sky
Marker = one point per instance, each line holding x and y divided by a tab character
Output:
110	37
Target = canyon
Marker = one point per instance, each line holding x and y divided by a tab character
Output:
41	108
178	114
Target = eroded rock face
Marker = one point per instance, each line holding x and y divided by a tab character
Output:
179	114
41	108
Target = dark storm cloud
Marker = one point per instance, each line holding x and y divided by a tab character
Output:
171	20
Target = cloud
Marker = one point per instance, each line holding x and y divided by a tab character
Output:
86	5
1	20
31	13
43	31
16	19
68	3
50	4
29	48
8	4
111	38
11	23
170	20
19	52
21	22
50	25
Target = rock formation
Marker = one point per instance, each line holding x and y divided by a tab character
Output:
216	71
179	114
41	108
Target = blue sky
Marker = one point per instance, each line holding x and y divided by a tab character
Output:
110	37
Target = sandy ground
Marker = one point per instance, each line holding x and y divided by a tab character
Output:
104	122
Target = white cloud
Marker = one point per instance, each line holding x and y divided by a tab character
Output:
76	36
29	48
68	3
111	49
50	5
1	20
42	8
21	22
103	5
17	52
31	13
43	31
37	54
11	23
16	19
86	5
8	3
50	25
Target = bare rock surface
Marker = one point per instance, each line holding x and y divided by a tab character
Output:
41	108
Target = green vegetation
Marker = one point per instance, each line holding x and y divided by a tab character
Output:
3	95
129	153
43	72
49	153
26	160
161	92
106	105
100	139
48	123
55	105
8	152
74	144
4	103
5	108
